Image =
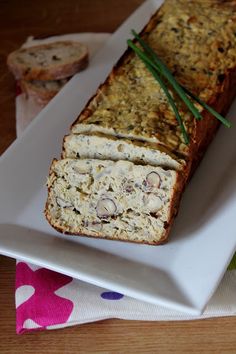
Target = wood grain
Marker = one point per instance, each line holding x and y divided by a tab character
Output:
19	20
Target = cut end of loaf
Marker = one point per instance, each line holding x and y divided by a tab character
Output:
112	200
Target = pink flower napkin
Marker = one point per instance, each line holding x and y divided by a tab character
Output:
48	300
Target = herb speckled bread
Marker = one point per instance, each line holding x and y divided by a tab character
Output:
196	39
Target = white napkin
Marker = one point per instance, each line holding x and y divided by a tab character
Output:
45	299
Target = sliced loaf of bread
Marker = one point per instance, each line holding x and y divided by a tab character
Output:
54	61
122	200
112	200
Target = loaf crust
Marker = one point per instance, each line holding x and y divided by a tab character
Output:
33	68
217	90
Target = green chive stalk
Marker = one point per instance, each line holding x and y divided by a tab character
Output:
161	68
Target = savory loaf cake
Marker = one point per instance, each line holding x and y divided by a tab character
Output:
105	147
53	61
114	200
196	40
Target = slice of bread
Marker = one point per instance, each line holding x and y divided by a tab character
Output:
105	147
54	61
42	91
113	200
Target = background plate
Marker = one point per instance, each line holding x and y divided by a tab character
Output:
182	274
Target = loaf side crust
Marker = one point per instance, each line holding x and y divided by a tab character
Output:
209	126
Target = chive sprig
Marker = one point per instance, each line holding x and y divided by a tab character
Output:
159	71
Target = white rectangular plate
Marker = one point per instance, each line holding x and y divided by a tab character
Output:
182	274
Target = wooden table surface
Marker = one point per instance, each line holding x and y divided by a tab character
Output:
20	19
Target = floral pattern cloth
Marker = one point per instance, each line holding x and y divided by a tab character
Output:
48	300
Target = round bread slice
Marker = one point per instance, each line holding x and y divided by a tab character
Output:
42	91
54	61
